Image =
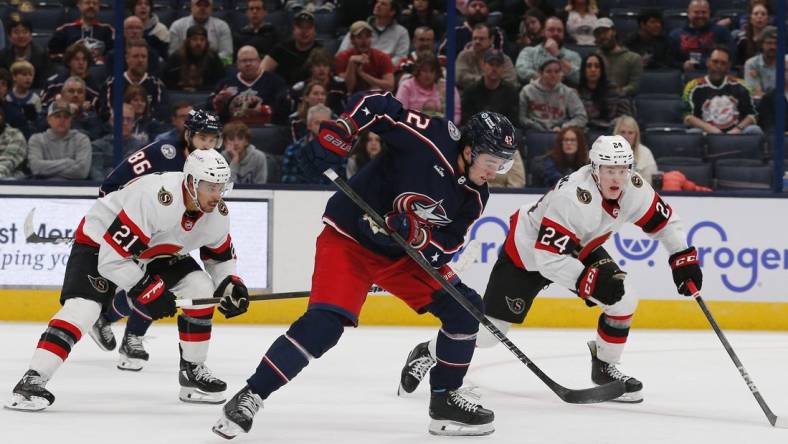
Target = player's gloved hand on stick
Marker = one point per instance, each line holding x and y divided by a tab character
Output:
604	284
153	294
686	267
336	136
234	297
407	225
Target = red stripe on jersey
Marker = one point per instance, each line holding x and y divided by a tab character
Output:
591	246
195	337
611	339
228	242
81	238
53	348
160	250
619	318
509	245
560	231
652	213
63	325
198	312
276	369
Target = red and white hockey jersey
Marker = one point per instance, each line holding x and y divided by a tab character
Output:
147	219
554	235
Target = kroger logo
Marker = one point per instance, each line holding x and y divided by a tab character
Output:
635	249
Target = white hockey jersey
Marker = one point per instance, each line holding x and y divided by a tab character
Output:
147	219
555	234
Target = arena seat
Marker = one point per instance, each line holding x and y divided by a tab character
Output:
735	146
743	174
694	169
673	144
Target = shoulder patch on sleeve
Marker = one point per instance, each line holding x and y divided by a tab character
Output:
637	181
584	196
165	197
223	210
454	132
168	151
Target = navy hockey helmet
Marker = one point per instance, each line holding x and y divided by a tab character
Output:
202	121
491	133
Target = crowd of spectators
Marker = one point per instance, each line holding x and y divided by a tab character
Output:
563	71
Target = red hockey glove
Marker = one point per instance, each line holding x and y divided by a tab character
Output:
234	297
335	136
603	284
686	267
153	294
407	225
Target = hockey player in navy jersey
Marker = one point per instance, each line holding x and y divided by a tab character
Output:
559	239
202	130
431	186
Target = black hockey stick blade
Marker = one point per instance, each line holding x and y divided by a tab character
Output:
774	420
252	297
600	393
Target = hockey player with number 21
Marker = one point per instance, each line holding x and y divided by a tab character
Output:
431	185
559	239
139	238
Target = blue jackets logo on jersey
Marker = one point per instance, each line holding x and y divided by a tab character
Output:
168	151
423	207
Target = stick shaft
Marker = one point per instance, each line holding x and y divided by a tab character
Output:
252	297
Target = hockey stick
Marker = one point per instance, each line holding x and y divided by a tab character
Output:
252	297
32	238
774	420
600	393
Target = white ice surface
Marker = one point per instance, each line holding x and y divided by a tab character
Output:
693	393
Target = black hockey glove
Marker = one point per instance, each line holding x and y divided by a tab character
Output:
336	136
604	284
153	294
234	297
686	267
407	225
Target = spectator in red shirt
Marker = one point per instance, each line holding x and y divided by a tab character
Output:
362	66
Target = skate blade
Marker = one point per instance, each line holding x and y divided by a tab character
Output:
403	393
130	364
197	396
19	402
445	427
226	428
630	398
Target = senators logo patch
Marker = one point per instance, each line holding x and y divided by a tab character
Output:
223	210
516	306
637	181
99	284
583	196
165	197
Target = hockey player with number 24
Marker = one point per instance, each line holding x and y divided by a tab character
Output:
139	238
559	239
431	185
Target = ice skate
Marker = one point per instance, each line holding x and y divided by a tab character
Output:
199	385
30	394
454	413
132	354
602	373
416	366
101	332
238	414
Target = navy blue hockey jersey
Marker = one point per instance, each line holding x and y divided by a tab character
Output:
157	157
417	172
98	37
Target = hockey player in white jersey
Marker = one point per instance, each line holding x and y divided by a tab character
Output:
139	239
559	240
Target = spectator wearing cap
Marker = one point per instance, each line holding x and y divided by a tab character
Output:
251	95
136	74
77	59
257	32
22	47
767	116
60	152
96	36
194	66
425	91
546	104
387	35
491	92
469	62
362	66
156	33
287	58
692	44
650	41
476	11
13	150
532	57
760	70
220	38
624	66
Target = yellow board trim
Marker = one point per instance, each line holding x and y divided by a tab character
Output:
40	305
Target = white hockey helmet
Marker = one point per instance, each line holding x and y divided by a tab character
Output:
611	150
209	168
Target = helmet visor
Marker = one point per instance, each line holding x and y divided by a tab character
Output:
492	163
212	188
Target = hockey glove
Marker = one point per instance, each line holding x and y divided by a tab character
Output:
234	297
152	293
686	267
335	136
605	284
407	225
